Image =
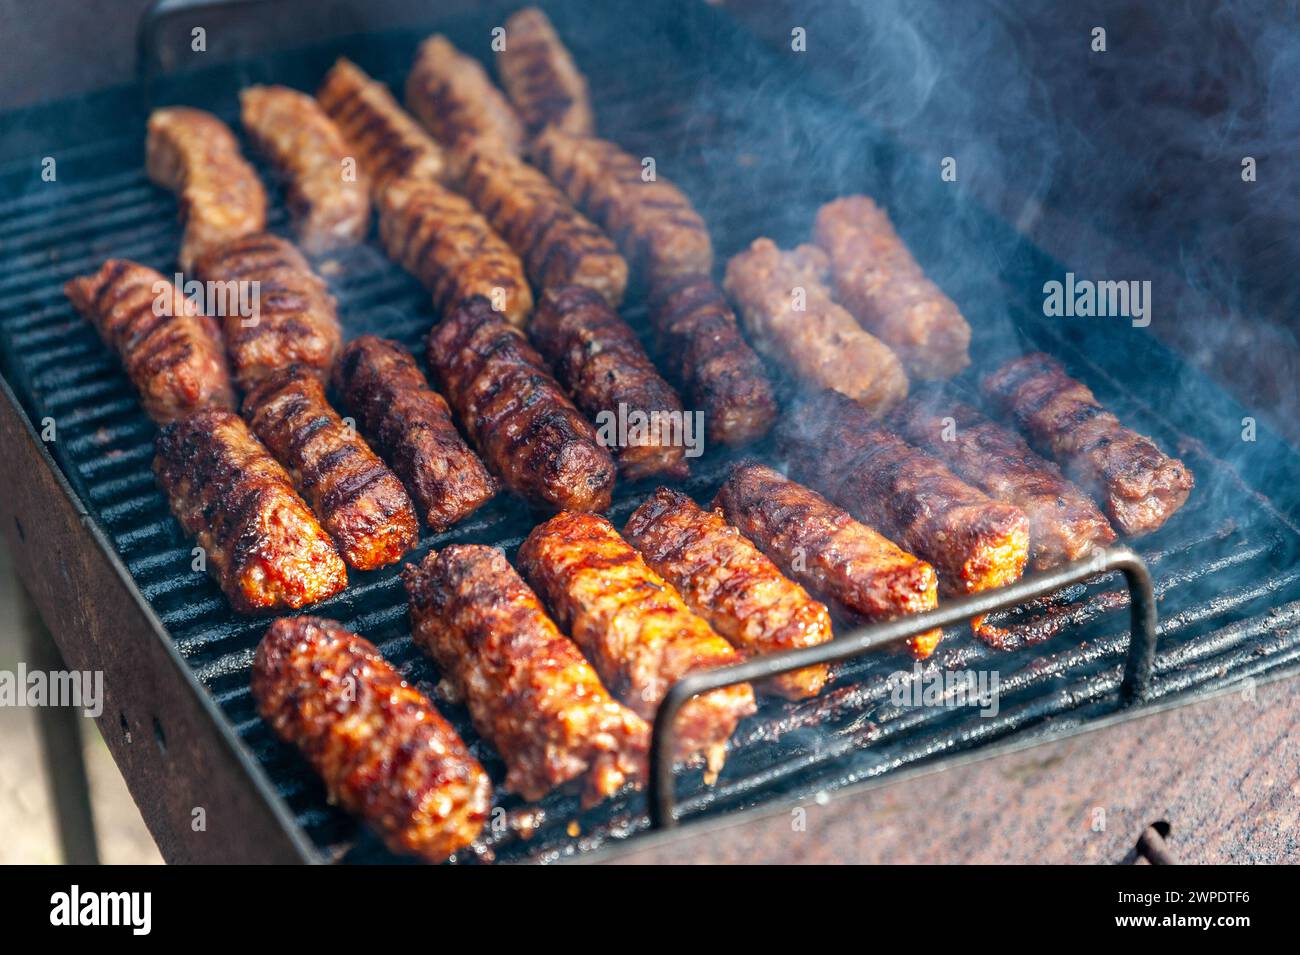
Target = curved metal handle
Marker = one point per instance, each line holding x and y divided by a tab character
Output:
1137	670
148	62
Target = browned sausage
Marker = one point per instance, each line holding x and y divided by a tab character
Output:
877	280
263	544
379	745
599	359
359	501
529	690
528	432
790	317
834	556
697	334
329	208
411	426
196	156
171	351
541	77
634	628
294	320
451	94
726	580
1139	485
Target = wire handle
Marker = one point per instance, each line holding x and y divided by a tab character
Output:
1137	669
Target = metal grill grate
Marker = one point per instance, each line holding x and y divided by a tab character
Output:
758	151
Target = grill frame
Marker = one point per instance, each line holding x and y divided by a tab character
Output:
189	688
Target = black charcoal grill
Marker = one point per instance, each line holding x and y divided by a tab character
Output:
758	148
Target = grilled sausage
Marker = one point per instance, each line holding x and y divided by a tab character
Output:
262	543
1064	524
541	77
864	575
529	434
436	235
388	142
696	332
600	361
656	227
726	580
382	749
1138	484
294	320
819	342
973	541
171	351
529	690
634	628
558	244
196	156
359	501
329	208
876	279
451	94
411	426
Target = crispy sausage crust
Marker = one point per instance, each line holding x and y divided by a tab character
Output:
359	501
634	627
839	559
436	235
389	144
559	245
529	690
539	74
822	344
654	224
291	130
601	363
528	432
726	580
452	95
381	748
411	426
1064	524
196	156
171	351
1138	484
295	322
877	279
697	334
263	545
973	541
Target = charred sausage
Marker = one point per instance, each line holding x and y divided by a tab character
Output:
171	351
529	690
381	748
359	501
725	579
411	426
634	628
451	94
263	545
541	77
528	432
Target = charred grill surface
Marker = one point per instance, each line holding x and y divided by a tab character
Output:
293	320
260	541
527	430
382	749
529	690
172	355
411	426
